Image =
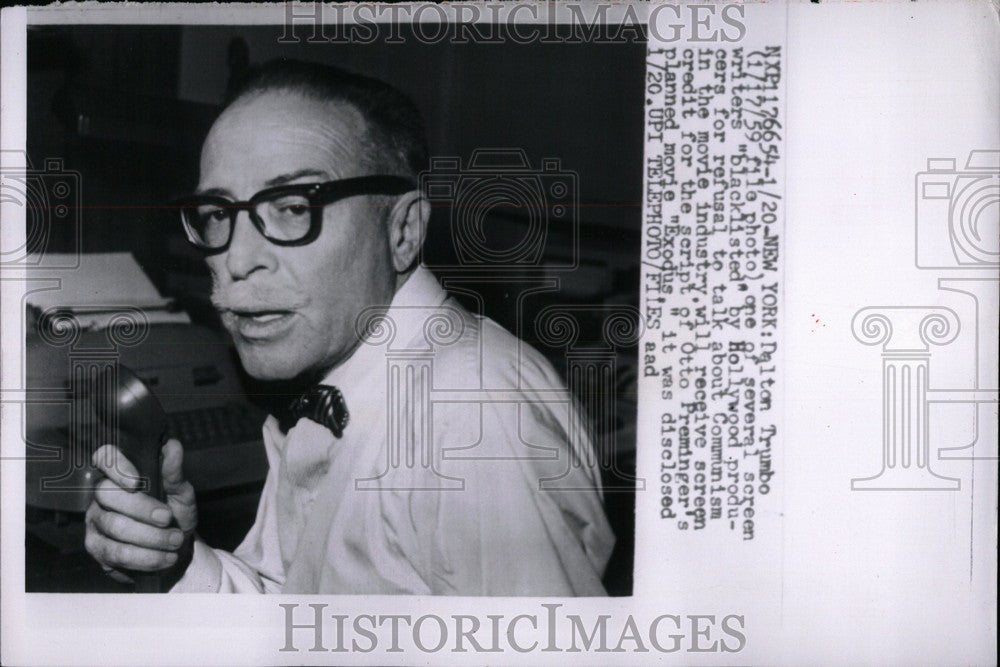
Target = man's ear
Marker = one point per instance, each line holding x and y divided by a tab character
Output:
407	228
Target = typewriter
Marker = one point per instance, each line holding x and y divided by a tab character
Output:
193	372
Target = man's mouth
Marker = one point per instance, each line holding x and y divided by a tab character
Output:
259	324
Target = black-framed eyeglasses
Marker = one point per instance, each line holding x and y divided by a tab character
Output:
286	215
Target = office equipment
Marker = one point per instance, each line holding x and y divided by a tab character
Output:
106	313
99	287
193	372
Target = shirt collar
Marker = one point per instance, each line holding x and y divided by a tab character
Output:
407	314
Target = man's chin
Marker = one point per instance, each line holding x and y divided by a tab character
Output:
270	362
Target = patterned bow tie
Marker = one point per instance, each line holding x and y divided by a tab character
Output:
324	405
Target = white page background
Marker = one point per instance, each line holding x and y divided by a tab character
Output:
895	577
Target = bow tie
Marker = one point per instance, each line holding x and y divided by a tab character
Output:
324	405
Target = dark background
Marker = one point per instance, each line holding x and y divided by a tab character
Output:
127	108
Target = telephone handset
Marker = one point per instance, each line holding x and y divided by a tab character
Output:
126	405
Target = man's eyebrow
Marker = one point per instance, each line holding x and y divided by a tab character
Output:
295	175
215	192
269	183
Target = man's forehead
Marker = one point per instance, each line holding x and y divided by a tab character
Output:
280	132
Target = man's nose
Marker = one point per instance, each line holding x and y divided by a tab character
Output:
248	250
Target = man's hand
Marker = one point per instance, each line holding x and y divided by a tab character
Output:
129	530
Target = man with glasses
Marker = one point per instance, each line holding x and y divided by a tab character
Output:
309	216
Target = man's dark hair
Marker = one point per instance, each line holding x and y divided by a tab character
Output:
396	141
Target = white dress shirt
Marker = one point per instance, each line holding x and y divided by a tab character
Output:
465	469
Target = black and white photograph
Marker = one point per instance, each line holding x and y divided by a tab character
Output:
499	332
454	442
